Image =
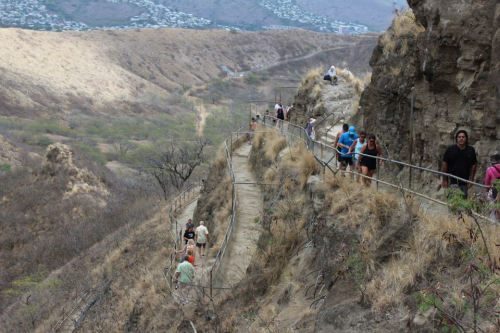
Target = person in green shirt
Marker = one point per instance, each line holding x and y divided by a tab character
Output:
184	275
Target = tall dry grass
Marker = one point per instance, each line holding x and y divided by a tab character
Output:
358	83
274	143
404	26
312	75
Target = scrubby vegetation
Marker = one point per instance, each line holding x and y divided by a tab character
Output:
52	213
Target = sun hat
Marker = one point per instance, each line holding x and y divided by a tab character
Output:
352	130
312	120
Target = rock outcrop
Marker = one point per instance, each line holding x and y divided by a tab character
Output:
451	58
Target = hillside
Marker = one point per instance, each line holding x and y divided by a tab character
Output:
130	71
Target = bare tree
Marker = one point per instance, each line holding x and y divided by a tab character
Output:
176	162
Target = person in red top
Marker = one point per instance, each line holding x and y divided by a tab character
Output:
493	174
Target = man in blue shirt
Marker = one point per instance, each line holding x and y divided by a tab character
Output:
345	143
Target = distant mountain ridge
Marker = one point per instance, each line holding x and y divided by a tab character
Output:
127	71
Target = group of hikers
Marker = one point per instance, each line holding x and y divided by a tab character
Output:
359	152
184	274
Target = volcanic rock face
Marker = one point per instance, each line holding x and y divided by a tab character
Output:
454	67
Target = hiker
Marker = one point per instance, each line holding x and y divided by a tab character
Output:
345	142
492	175
184	275
189	234
288	112
189	224
332	76
345	128
369	164
460	160
188	246
311	132
191	259
356	146
201	186
280	114
258	119
266	116
202	237
253	126
276	107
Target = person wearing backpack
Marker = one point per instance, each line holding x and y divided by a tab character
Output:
311	132
492	175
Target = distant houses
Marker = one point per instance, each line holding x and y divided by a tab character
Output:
34	15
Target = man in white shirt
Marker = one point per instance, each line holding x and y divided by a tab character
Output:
201	238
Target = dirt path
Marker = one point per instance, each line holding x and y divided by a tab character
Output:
246	231
203	113
204	264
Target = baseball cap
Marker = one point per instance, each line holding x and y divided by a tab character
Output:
352	130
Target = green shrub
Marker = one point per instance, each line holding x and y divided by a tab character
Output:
94	153
4	168
49	128
42	140
252	79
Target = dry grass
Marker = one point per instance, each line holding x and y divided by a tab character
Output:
388	42
395	70
273	145
316	91
403	27
313	74
358	83
405	24
302	161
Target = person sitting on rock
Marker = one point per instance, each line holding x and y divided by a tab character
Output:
333	76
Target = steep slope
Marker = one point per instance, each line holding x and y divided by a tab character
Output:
449	53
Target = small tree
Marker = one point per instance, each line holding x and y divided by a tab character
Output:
175	163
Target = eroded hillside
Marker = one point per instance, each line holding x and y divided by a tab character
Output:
126	71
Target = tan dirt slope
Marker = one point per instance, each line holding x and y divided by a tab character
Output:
106	71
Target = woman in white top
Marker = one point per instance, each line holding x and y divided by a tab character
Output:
333	76
356	146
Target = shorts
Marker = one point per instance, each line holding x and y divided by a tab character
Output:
455	187
200	245
346	161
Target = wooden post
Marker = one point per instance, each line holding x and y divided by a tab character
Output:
211	283
412	134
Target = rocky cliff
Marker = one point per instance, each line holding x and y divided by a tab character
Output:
450	56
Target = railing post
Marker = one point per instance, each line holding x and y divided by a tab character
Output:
377	168
321	151
211	283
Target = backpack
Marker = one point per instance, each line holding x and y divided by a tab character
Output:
494	190
308	128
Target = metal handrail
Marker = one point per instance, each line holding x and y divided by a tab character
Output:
336	151
325	118
221	254
338	120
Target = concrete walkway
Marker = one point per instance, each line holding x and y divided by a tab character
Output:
246	231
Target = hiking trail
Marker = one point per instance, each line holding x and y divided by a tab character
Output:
204	263
246	231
